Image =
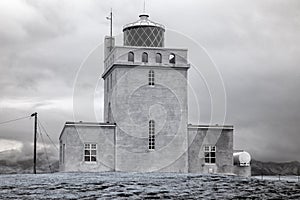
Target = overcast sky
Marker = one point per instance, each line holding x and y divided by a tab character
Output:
254	44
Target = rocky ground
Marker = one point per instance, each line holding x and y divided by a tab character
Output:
142	186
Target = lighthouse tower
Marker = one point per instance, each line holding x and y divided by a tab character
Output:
145	95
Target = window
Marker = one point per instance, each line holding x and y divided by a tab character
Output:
151	135
110	81
63	153
90	152
151	77
158	58
172	58
210	154
107	84
145	57
109	117
131	56
60	151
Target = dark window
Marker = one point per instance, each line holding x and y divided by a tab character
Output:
210	154
107	83
111	81
109	113
172	58
64	153
158	58
151	77
90	152
145	57
151	135
131	56
60	151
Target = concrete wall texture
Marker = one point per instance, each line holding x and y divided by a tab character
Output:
220	137
75	135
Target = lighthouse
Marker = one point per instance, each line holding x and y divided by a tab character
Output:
145	127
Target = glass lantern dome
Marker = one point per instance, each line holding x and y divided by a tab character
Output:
144	32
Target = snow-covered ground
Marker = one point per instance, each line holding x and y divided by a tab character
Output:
142	186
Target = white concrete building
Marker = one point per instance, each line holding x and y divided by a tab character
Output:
146	114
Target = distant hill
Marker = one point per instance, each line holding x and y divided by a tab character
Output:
12	164
26	166
274	168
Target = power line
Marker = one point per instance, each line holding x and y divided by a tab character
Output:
47	134
13	120
40	132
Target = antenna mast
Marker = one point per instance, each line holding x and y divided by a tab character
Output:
110	18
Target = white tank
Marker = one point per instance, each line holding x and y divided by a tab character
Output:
241	158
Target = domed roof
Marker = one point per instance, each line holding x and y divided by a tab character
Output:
143	21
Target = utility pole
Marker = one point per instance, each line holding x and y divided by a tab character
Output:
34	141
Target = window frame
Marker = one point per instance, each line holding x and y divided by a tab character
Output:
210	154
130	53
107	84
60	151
64	153
109	114
90	155
172	60
158	58
111	81
151	78
151	136
145	59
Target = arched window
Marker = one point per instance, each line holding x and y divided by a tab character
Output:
145	57
107	84
158	58
111	81
151	77
109	117
172	58
131	56
151	135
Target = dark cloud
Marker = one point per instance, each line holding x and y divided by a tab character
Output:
255	45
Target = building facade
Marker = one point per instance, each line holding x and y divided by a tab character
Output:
145	125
